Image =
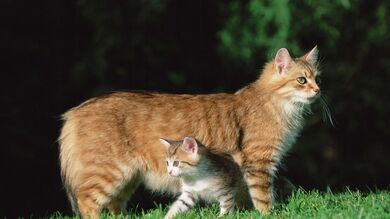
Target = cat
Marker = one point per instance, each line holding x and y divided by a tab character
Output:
203	174
109	145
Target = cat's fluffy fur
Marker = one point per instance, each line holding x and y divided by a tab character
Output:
204	175
110	145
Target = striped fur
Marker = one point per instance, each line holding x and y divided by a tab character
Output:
110	145
204	175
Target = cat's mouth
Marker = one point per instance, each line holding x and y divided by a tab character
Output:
310	98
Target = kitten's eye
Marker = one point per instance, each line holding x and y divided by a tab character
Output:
175	163
302	80
167	163
318	80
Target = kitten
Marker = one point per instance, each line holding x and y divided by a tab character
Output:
109	145
204	175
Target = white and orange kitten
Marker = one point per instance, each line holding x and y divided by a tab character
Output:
204	175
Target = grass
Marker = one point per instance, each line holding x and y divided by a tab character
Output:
301	204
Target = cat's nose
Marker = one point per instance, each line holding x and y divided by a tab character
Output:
317	90
170	172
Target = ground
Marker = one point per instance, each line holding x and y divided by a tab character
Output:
301	204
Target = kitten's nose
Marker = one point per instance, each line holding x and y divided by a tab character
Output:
170	172
316	90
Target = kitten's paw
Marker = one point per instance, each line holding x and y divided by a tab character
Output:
265	211
169	216
221	214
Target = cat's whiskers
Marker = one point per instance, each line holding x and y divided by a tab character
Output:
326	114
307	110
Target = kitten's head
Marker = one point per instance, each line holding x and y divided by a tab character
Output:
295	80
182	156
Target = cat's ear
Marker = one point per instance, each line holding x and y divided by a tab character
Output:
282	60
311	56
190	145
165	142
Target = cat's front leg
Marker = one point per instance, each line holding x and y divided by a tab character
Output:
185	201
259	179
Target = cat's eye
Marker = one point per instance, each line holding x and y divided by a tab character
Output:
167	163
302	80
175	163
318	80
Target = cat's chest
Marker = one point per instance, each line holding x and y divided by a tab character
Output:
289	134
289	138
290	126
291	123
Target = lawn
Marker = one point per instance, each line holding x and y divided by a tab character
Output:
301	204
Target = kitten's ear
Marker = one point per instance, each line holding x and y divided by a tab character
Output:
311	56
282	59
190	145
165	142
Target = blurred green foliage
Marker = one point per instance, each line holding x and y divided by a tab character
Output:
208	46
255	27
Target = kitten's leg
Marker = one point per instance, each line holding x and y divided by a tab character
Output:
242	198
259	178
185	201
226	202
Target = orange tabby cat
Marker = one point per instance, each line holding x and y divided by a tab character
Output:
110	145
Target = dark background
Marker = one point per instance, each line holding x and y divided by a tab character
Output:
56	54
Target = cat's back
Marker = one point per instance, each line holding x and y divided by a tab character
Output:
123	101
152	115
134	119
126	102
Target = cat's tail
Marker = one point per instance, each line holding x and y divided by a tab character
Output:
68	165
71	197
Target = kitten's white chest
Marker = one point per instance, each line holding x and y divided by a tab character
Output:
203	189
198	186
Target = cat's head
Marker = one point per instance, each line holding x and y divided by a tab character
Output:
182	156
294	80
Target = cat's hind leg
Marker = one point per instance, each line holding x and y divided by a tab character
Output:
118	203
100	185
